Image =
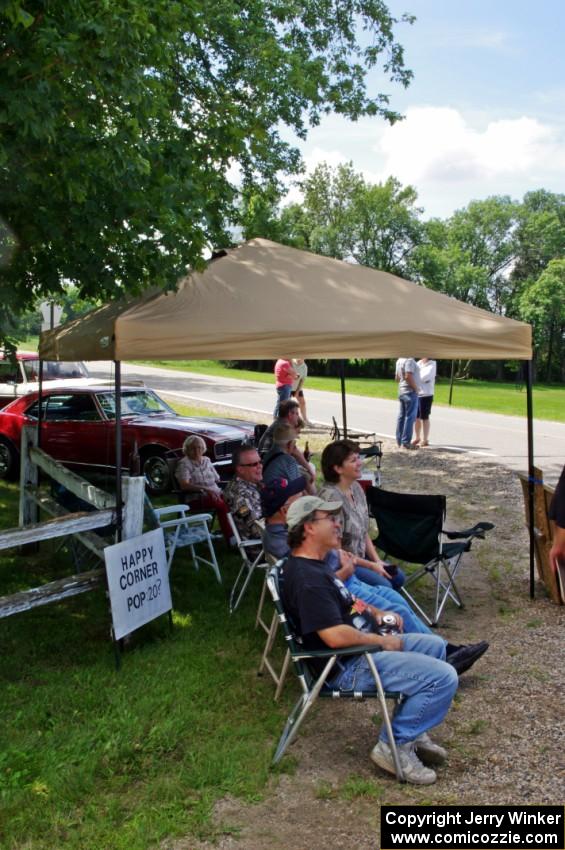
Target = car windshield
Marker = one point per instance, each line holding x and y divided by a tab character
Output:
134	403
54	370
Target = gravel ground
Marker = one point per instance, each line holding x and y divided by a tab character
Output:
505	732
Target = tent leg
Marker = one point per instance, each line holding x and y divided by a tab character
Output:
343	407
529	401
118	406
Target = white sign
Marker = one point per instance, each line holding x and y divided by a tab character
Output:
138	581
51	314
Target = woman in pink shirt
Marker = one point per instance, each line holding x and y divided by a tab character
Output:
285	376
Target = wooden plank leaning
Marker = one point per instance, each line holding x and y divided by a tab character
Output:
543	530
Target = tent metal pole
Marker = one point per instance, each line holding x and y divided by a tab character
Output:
343	407
451	381
40	404
531	482
118	408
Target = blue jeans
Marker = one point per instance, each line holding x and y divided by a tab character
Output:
406	417
389	600
419	673
282	394
377	580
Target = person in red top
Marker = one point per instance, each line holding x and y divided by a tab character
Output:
285	376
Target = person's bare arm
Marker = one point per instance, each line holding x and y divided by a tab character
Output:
186	485
347	566
301	460
375	566
411	381
340	637
371	553
557	551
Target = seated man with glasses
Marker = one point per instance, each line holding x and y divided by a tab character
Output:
243	493
411	664
277	497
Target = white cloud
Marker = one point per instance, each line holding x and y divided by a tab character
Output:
437	144
451	158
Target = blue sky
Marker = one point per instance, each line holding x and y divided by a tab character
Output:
483	115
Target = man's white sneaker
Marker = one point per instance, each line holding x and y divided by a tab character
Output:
413	769
428	750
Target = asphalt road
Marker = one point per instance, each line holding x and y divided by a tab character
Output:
500	438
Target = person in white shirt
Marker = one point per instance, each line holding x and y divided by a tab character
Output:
407	376
301	369
428	369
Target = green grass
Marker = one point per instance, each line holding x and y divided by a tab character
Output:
488	396
92	758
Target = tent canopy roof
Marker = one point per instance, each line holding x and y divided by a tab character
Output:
263	300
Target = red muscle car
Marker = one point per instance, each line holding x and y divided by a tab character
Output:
78	429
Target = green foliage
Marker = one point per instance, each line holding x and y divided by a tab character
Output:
543	304
346	217
468	255
120	122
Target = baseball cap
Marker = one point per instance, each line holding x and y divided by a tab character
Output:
276	492
284	433
305	506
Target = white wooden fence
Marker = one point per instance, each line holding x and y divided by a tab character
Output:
82	524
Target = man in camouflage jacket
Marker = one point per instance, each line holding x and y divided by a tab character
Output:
243	493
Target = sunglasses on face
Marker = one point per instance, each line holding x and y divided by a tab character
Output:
255	463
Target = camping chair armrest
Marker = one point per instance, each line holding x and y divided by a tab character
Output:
169	509
478	530
255	542
185	520
339	653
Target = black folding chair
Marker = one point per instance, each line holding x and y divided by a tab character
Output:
411	529
315	685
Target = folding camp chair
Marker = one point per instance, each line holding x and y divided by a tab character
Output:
270	628
252	557
183	529
313	685
411	529
372	454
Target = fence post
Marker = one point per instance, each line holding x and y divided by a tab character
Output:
133	493
29	478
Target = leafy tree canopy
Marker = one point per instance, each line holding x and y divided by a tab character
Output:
121	119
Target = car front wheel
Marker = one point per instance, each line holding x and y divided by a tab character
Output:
156	471
9	460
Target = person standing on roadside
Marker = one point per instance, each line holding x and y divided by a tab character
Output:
285	376
428	370
408	377
301	370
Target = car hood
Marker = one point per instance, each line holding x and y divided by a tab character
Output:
220	429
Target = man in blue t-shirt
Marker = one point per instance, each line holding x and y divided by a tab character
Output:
411	664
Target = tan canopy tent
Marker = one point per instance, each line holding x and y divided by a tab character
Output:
264	300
